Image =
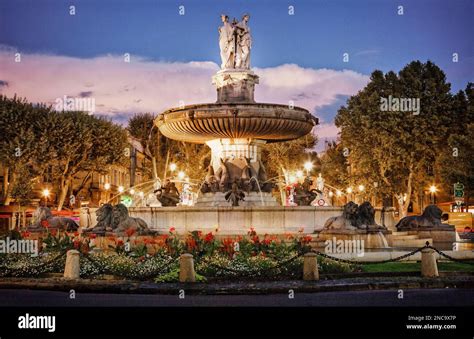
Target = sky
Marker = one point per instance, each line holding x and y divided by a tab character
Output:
298	57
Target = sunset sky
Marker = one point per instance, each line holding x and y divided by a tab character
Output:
298	57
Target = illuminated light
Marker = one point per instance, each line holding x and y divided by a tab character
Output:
141	194
299	174
132	191
173	167
120	189
433	189
308	165
349	190
331	194
361	188
107	186
338	193
46	193
181	175
293	179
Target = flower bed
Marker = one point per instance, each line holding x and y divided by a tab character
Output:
156	257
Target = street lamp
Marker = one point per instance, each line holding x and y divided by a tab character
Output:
120	189
338	193
181	175
349	190
173	167
132	191
361	188
107	186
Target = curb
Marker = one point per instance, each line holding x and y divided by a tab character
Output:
237	288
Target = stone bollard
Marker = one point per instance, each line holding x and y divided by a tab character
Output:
429	267
72	268
186	268
310	267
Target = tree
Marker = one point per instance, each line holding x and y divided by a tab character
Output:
24	141
191	158
83	143
394	148
456	161
334	166
283	158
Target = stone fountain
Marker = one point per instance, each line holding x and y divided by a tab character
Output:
236	127
236	193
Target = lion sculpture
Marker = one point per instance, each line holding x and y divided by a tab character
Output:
354	217
116	219
44	218
431	217
346	221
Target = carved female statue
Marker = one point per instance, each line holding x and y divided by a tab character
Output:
244	43
226	43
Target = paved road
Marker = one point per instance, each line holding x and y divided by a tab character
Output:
412	297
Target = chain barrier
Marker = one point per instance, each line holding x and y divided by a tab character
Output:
462	261
354	262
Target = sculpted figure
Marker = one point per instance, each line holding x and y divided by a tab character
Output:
104	219
44	218
226	43
431	217
234	195
244	43
346	221
122	221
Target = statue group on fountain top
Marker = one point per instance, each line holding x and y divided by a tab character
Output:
245	178
235	43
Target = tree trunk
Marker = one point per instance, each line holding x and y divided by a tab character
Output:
12	182
63	193
6	171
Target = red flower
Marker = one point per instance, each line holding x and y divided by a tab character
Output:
129	232
76	244
45	223
306	239
209	237
93	236
76	234
25	234
172	229
120	243
54	232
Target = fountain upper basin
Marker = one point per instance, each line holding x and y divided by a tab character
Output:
204	122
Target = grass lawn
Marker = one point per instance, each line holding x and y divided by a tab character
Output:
415	266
